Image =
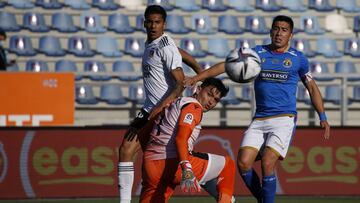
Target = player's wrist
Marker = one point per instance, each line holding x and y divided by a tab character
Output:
322	116
185	165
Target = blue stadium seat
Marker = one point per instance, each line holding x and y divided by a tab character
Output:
36	66
322	6
85	94
119	23
163	3
348	6
356	94
201	23
206	64
327	47
247	43
108	46
241	5
318	68
187	5
187	70
50	46
294	5
63	22
21	4
333	94
352	47
230	98
21	45
77	4
246	93
310	25
303	95
112	94
219	47
137	94
91	22
8	22
214	5
105	4
35	22
134	46
176	24
342	66
192	46
140	23
303	45
49	4
229	24
267	5
2	4
123	67
256	25
67	66
94	67
13	68
80	46
356	26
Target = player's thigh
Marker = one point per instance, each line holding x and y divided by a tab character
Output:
253	136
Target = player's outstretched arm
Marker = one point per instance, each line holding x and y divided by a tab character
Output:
190	61
318	104
213	71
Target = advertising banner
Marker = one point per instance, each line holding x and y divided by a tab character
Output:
50	163
36	99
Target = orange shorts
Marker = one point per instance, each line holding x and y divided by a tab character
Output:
160	177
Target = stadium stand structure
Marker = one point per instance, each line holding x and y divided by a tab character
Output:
102	42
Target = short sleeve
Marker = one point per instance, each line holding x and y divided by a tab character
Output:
171	57
190	115
304	66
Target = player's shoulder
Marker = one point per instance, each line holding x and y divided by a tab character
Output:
166	41
191	102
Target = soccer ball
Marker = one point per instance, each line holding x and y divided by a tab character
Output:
242	65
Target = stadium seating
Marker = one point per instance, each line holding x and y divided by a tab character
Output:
176	24
119	23
94	67
136	94
229	24
21	4
201	23
230	98
206	64
123	67
352	47
246	93
333	94
187	5
63	22
303	95
21	45
50	46
267	5
105	4
348	6
318	68
67	66
35	22
134	46
327	47
337	24
356	94
163	3
256	25
108	46
137	5
241	5
77	4
356	25
342	66
34	65
80	46
91	22
214	5
193	47
219	47
85	94
140	23
294	5
247	43
8	22
303	45
112	94
322	5
310	25
49	4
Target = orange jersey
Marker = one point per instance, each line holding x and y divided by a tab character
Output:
185	111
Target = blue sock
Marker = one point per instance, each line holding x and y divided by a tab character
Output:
269	188
252	182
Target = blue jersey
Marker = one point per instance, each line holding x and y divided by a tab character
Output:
276	85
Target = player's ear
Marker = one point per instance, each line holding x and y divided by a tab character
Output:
198	89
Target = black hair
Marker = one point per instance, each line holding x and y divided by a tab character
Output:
284	19
217	83
155	9
3	33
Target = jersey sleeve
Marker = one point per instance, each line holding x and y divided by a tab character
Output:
190	115
304	66
171	57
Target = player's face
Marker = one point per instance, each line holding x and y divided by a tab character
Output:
280	35
154	25
208	97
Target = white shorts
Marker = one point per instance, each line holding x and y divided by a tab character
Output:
275	133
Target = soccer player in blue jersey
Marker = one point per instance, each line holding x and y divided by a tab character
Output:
273	125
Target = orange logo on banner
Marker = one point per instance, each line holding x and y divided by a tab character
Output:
36	99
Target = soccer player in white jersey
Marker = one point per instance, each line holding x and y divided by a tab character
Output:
169	159
271	130
162	77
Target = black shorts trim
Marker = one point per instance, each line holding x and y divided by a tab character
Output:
140	120
200	155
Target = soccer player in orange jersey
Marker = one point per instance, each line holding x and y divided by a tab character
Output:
168	157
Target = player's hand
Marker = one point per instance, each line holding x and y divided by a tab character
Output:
189	82
188	182
131	134
326	126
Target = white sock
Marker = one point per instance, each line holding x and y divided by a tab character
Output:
126	179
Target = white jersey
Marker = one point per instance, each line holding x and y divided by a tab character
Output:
161	144
161	56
